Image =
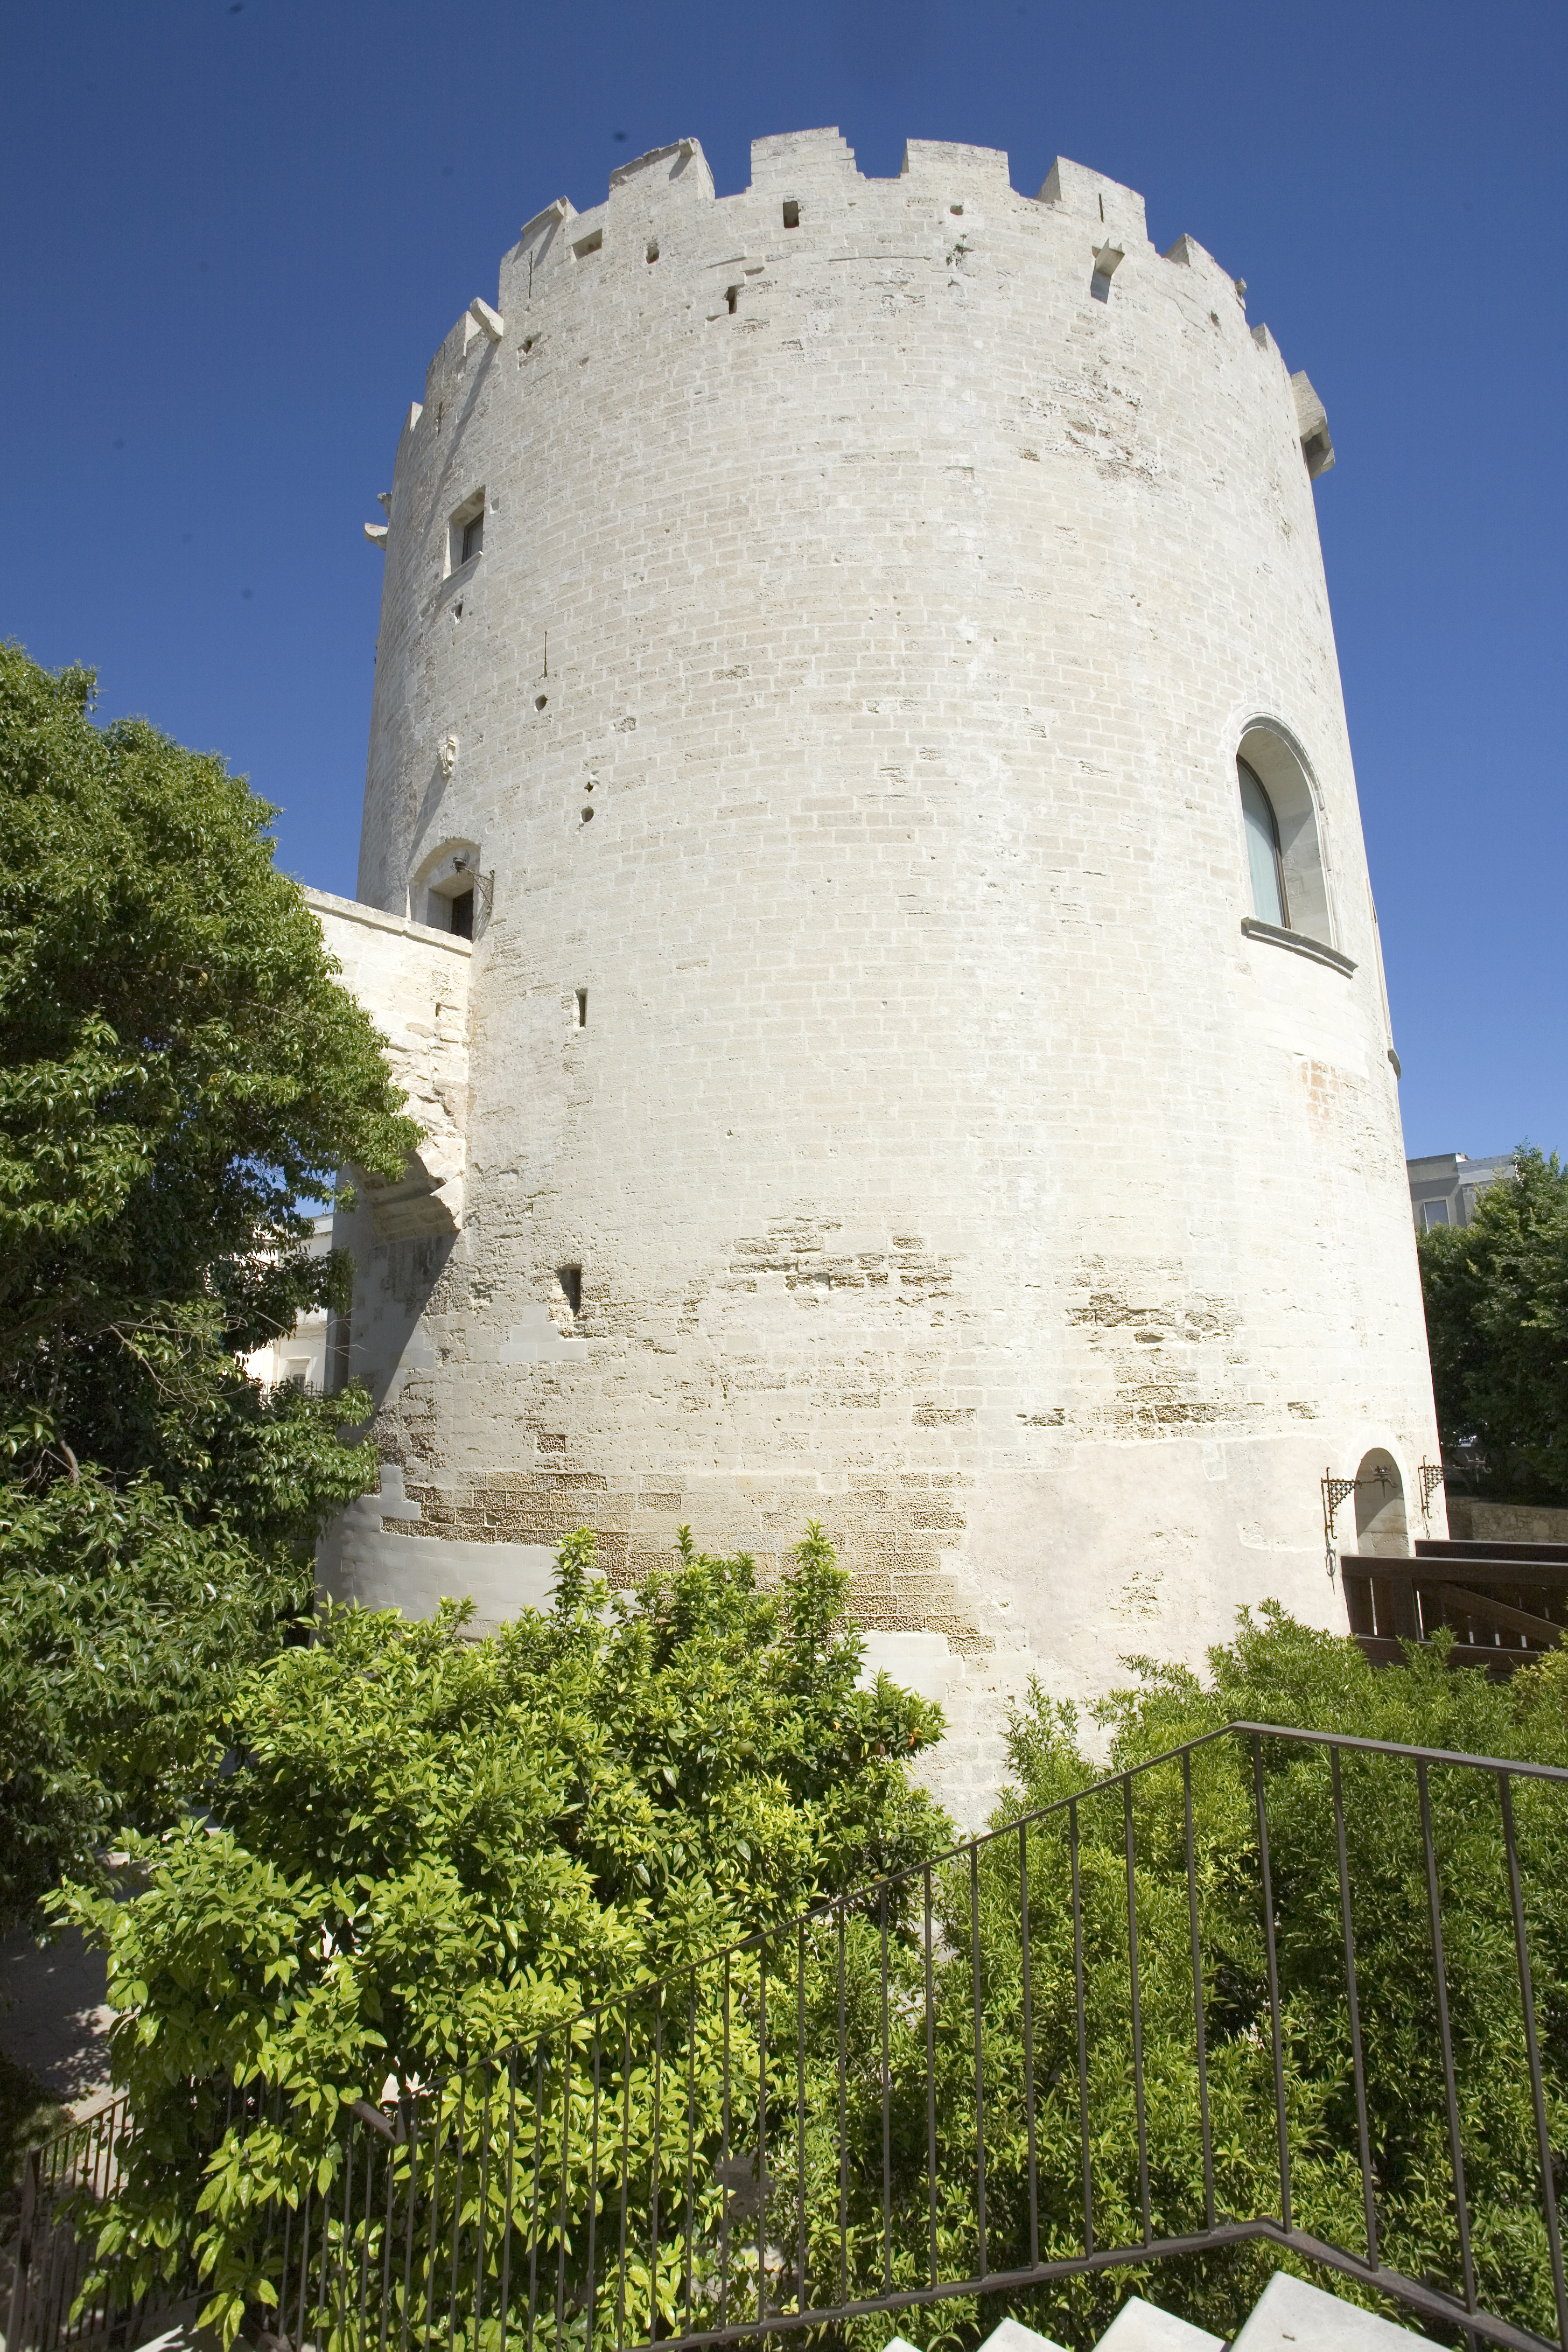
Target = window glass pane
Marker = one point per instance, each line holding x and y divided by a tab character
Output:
1267	900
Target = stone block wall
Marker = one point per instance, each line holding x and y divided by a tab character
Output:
877	1109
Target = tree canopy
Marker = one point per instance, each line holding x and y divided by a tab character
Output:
1496	1294
181	1078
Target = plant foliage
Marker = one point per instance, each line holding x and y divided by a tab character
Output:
1496	1294
181	1077
764	2117
433	1845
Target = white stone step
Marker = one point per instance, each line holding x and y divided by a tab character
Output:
1140	2326
1291	2317
1012	2335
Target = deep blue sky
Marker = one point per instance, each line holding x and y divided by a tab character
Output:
235	234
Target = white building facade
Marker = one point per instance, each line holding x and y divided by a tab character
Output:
862	862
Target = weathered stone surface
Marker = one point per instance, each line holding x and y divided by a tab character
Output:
849	690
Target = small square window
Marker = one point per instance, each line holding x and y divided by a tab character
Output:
1434	1212
465	532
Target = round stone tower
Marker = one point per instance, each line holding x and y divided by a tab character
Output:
861	860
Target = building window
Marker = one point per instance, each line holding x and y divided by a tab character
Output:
1434	1212
462	905
465	532
1269	901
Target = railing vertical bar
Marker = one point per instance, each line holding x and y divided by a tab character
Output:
979	2057
386	2237
1029	2041
625	2174
1446	2038
410	2215
283	2267
323	2307
724	2158
1532	2051
886	2111
1199	2033
1282	2119
434	2209
592	2294
655	2157
763	2128
369	2138
691	2133
1085	2154
533	2201
931	2074
509	2206
568	2101
458	2205
484	2196
804	2248
1139	2108
843	2137
1352	1996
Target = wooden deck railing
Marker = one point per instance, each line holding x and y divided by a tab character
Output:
1505	1604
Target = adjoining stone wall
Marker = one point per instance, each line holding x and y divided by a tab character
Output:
414	983
1471	1520
879	1112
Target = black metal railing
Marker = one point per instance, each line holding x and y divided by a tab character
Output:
1273	1991
63	2181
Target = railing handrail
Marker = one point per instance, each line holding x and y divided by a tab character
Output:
854	1897
423	2175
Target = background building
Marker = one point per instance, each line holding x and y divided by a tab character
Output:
862	878
301	1356
1444	1189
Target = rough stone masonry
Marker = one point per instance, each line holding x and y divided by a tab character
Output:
806	889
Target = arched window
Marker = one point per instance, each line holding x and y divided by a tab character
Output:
1289	881
442	893
1269	903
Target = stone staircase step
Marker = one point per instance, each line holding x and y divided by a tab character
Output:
1291	2317
1140	2326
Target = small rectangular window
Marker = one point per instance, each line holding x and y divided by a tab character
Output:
791	214
465	532
592	243
571	1280
581	1008
462	908
1434	1212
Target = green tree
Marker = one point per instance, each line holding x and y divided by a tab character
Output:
433	1845
180	1077
1496	1294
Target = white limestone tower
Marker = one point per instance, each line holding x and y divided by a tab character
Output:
856	656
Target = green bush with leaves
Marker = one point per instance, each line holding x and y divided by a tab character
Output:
181	1078
431	1847
764	2118
1279	1672
1496	1294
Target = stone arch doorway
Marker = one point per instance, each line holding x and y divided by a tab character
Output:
1379	1523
